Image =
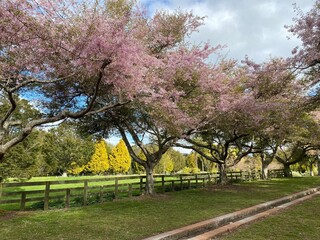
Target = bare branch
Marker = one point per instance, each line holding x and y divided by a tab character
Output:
132	153
10	111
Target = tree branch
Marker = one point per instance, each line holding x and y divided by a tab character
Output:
62	115
10	111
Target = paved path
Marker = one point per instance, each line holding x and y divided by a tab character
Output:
216	226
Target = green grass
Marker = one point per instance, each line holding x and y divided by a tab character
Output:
68	185
80	184
298	222
143	216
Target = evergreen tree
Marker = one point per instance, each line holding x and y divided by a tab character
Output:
178	159
99	162
138	168
191	160
119	158
25	160
76	169
64	148
166	164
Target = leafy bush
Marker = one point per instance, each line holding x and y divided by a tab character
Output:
296	174
186	170
195	170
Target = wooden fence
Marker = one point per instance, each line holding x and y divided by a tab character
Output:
116	187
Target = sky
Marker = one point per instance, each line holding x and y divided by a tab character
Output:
248	27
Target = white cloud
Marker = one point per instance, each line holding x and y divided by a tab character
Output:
247	27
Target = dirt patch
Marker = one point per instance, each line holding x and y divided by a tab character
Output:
229	187
150	197
7	215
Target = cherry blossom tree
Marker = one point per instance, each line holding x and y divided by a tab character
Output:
161	113
306	57
63	54
301	140
252	98
162	118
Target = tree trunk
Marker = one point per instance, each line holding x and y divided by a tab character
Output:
265	171
223	174
265	162
318	166
1	157
149	181
287	172
311	169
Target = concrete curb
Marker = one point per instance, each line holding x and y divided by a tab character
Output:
198	229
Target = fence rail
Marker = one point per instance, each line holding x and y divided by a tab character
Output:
119	186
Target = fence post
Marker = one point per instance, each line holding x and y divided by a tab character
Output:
1	189
189	184
68	198
141	184
23	201
85	192
181	184
101	194
196	176
203	182
216	178
46	196
209	178
116	188
172	185
130	190
162	179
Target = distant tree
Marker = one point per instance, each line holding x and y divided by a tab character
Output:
191	160
75	169
308	165
138	168
179	160
119	158
64	148
206	165
99	162
25	160
166	164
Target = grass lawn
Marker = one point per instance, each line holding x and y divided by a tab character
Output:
143	216
299	222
